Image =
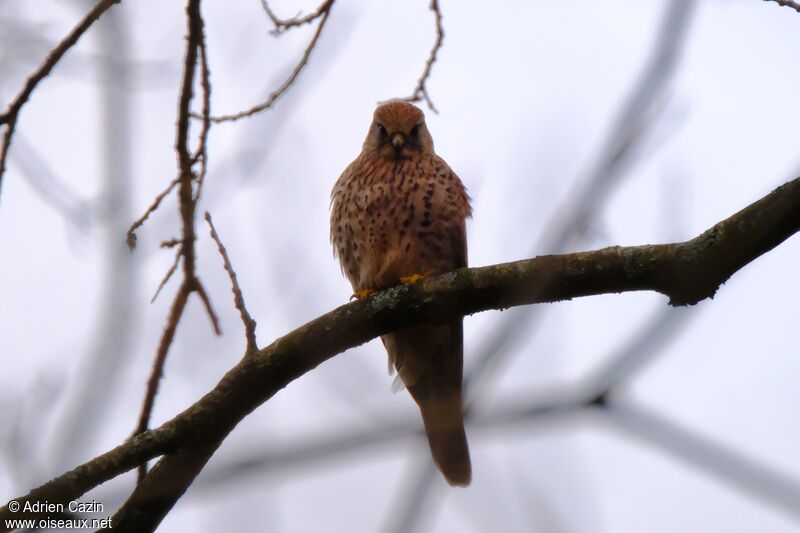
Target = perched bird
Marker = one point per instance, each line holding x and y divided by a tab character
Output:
398	214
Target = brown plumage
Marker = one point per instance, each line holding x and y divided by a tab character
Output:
399	210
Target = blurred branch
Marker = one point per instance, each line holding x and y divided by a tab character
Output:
98	375
686	272
624	138
757	480
417	499
626	135
26	42
786	3
9	118
79	212
421	91
639	350
322	13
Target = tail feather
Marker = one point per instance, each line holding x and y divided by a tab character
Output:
429	360
444	426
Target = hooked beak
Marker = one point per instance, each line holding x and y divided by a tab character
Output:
398	140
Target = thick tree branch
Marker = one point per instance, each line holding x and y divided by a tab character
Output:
787	3
686	272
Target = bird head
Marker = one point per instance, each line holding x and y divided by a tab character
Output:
398	131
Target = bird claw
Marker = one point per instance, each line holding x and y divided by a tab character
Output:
363	293
413	278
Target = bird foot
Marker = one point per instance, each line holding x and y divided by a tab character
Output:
413	278
363	293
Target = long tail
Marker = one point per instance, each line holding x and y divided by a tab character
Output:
430	361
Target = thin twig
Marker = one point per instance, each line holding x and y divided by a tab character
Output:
9	118
273	97
787	3
130	238
178	305
421	90
201	153
168	275
201	292
238	298
281	25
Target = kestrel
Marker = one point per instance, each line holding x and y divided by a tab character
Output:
398	213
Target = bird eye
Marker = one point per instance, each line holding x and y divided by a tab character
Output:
381	130
415	131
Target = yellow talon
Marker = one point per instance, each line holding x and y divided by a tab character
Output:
413	278
363	293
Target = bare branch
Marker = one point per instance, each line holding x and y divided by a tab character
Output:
178	305
421	91
130	238
168	275
281	25
686	272
201	154
238	298
187	197
787	3
9	118
201	292
273	97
